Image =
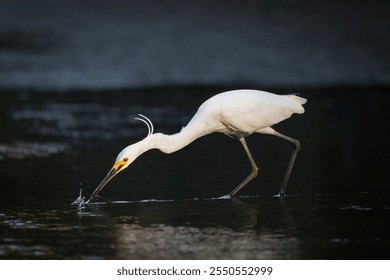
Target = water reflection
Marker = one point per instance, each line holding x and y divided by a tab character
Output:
166	242
231	229
327	226
23	149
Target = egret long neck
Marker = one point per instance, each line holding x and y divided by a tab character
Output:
171	143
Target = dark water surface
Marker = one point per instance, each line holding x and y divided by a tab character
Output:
165	207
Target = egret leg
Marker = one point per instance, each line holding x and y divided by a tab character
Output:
297	146
254	172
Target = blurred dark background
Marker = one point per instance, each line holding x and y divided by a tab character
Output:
85	44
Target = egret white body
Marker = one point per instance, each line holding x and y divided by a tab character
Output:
236	113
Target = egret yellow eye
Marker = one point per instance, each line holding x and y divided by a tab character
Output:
125	159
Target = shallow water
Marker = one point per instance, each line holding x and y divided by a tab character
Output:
166	206
298	227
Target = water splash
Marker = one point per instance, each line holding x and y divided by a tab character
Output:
80	200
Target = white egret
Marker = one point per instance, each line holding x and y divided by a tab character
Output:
236	113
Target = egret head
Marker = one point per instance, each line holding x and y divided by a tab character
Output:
123	160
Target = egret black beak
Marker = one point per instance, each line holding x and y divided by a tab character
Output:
114	171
